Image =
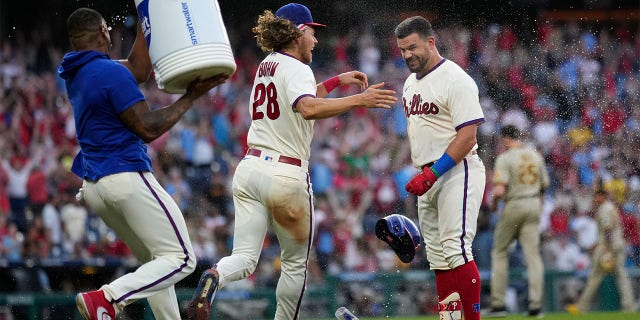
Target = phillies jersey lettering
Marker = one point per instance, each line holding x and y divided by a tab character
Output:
437	105
417	108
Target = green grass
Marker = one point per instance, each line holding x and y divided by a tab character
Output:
547	316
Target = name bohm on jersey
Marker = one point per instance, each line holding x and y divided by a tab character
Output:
267	68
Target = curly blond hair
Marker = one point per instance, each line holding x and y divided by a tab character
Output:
273	33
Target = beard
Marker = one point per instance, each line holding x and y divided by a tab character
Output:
307	59
416	64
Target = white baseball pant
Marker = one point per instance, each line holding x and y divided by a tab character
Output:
147	219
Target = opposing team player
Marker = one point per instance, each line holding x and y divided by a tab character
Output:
519	179
608	257
113	122
443	111
271	185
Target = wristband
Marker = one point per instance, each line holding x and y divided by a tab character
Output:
443	165
331	83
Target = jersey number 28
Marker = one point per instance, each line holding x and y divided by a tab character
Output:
268	96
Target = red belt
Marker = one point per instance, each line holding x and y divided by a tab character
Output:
281	159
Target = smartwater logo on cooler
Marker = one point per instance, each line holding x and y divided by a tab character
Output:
189	23
145	22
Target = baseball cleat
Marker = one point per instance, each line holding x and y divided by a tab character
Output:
199	307
450	308
94	306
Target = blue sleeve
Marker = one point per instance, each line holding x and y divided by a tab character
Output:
123	90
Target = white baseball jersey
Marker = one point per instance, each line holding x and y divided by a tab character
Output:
280	82
436	106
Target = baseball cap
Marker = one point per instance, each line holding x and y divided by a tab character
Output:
298	14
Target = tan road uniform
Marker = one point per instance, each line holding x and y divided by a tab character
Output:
608	218
523	172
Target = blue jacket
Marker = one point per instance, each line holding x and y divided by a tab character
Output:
99	89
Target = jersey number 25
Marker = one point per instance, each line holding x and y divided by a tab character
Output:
267	96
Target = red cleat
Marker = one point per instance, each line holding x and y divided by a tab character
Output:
94	306
199	307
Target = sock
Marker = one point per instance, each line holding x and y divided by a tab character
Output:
445	283
467	282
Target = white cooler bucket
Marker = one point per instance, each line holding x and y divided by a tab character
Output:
186	39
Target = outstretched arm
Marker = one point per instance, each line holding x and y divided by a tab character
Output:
321	108
149	125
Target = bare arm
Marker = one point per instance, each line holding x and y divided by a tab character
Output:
321	108
462	143
138	60
347	78
149	125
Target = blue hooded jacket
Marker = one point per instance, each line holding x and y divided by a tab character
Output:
99	90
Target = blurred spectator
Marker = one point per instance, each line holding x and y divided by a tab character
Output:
5	208
4	226
219	194
483	241
322	171
18	169
178	188
51	220
38	245
559	221
109	247
564	255
37	192
585	230
631	232
324	240
369	55
12	244
74	221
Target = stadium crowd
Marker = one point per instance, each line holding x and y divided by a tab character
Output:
573	88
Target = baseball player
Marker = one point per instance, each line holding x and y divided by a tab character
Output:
113	122
608	256
519	179
271	186
443	111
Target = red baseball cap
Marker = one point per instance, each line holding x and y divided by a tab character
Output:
298	14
